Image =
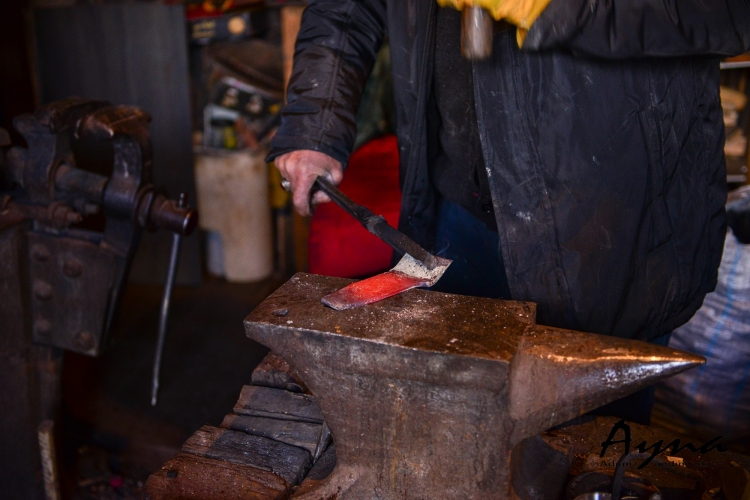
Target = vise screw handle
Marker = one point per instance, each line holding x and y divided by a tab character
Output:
166	302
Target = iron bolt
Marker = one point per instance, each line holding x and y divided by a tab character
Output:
42	326
72	268
84	341
40	253
90	208
61	215
42	290
73	218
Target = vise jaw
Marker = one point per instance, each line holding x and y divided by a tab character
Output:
427	393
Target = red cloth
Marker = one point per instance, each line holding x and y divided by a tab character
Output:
338	244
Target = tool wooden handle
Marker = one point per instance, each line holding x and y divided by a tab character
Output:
476	33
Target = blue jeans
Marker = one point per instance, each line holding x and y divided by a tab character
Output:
477	267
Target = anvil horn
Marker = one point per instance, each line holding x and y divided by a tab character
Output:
426	393
560	374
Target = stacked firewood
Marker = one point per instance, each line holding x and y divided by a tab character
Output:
274	445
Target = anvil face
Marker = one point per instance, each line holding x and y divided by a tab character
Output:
426	393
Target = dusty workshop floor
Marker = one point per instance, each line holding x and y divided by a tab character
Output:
112	437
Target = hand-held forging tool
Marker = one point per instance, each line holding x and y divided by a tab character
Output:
417	268
378	226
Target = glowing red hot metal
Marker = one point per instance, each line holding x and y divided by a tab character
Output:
417	268
408	274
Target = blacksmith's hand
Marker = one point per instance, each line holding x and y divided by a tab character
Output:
301	168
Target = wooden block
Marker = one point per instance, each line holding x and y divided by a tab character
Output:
289	462
735	482
319	472
274	372
190	477
276	403
310	437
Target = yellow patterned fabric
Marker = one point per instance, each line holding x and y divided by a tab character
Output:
521	13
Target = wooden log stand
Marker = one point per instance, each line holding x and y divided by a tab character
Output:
273	445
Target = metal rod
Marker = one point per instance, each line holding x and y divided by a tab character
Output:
166	301
734	65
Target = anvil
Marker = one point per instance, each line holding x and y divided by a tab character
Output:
426	393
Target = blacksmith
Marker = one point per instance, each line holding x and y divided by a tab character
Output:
581	167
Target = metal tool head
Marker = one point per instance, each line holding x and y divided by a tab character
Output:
476	33
409	273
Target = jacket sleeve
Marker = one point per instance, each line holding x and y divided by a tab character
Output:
336	48
620	29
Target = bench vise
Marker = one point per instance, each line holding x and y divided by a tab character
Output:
74	200
73	269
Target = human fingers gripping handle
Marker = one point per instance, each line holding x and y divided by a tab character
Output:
300	169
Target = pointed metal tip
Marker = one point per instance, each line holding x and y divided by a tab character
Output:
678	361
639	371
580	372
642	363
